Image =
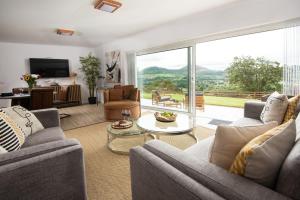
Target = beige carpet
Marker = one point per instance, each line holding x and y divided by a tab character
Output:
107	173
81	116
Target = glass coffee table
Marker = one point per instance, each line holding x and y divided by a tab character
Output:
154	128
116	142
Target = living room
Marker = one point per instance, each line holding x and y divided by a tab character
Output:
137	99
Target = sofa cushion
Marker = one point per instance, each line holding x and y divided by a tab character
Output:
201	149
291	109
121	104
25	119
44	136
275	108
288	180
2	150
115	94
229	140
260	160
134	94
11	135
246	122
127	90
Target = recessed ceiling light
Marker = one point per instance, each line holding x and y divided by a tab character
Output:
108	5
66	32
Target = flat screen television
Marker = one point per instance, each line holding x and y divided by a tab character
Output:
49	68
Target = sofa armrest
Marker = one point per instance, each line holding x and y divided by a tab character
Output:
227	185
152	179
253	109
48	171
48	117
36	150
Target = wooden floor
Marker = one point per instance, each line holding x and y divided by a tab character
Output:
81	116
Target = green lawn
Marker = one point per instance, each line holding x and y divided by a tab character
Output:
210	100
225	101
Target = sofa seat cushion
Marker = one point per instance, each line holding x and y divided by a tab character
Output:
201	149
121	104
44	136
247	122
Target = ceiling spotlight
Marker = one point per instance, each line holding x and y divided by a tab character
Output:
65	32
108	5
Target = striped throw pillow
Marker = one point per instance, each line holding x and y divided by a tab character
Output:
11	135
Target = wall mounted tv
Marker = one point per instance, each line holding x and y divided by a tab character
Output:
49	68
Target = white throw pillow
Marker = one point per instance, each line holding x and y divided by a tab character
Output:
25	119
275	108
229	140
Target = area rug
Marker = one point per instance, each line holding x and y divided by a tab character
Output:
81	116
107	173
218	122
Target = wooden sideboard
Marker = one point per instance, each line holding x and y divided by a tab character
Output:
47	97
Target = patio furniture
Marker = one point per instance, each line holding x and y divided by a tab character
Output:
158	97
182	125
116	100
172	103
199	100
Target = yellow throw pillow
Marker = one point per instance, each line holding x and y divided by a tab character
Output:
290	111
261	158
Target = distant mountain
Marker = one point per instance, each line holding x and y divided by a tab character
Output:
201	72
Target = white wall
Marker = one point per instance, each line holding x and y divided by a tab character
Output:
14	62
232	17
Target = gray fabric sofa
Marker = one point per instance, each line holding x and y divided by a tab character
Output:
161	171
48	166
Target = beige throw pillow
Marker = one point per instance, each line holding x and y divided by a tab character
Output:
229	140
261	159
26	120
275	108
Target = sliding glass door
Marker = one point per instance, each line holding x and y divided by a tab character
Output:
163	79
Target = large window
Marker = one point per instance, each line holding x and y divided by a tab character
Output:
232	70
163	79
228	72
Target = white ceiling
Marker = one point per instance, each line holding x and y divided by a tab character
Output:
35	21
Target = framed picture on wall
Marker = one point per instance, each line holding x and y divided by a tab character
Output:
113	67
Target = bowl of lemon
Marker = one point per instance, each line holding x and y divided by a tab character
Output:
165	116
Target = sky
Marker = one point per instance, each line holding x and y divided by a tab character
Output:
219	54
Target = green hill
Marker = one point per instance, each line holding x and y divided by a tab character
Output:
202	73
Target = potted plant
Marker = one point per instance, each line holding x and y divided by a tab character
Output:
91	69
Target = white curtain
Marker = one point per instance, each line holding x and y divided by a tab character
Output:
291	71
131	68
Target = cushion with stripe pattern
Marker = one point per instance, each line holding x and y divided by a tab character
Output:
26	120
11	135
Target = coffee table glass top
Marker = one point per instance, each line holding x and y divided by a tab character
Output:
134	130
183	124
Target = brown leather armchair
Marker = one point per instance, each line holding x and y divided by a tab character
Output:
120	98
